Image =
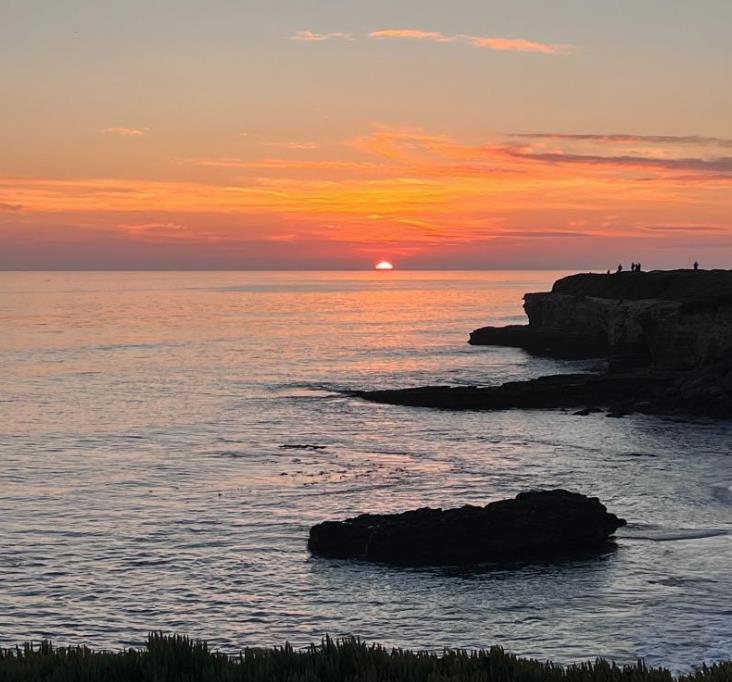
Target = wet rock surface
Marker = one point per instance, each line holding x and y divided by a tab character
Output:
534	525
700	392
560	390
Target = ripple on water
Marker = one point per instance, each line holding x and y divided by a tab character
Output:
168	481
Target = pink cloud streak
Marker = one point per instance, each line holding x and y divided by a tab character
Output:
498	43
481	42
312	37
125	132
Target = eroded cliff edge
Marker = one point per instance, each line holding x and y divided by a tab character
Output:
679	319
666	335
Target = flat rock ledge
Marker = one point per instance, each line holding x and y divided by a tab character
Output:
553	343
706	391
536	525
558	390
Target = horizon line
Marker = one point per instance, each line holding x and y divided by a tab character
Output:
233	269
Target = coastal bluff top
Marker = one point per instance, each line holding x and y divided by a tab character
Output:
713	287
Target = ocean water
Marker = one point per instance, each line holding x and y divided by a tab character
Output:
154	476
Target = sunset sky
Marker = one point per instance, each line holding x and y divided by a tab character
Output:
336	133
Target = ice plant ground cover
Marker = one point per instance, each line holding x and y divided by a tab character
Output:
173	657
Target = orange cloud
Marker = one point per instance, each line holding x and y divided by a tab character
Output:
311	37
334	168
411	34
501	44
125	132
630	139
412	189
719	165
145	227
483	42
300	146
686	227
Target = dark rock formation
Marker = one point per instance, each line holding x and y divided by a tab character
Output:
585	411
647	332
679	319
668	354
551	342
706	391
672	330
560	390
533	525
694	287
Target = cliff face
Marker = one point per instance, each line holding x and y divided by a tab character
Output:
667	337
693	330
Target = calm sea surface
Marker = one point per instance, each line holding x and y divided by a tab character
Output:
148	479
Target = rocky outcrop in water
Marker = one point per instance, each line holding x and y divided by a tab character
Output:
533	525
558	390
706	391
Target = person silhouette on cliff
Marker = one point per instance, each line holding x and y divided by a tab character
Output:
696	265
620	267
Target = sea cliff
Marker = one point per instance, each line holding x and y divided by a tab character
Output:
666	337
675	320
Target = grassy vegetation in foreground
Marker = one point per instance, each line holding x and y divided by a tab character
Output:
179	659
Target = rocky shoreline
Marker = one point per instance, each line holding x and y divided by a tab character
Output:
666	337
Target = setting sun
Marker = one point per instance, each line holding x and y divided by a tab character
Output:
384	265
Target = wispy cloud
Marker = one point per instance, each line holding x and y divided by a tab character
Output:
624	138
142	227
411	34
482	42
540	234
125	132
312	37
361	167
302	146
408	187
501	44
415	153
6	207
687	228
722	164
